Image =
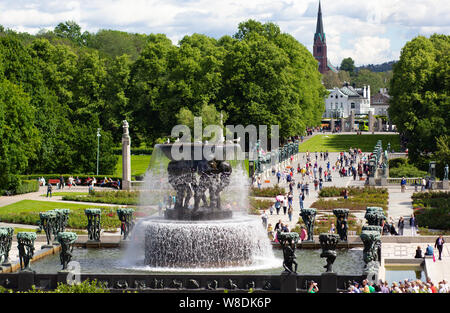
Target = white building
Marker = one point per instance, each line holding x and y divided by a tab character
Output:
342	101
380	102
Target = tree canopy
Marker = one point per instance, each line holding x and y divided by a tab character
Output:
420	103
58	87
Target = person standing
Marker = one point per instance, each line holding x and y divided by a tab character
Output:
258	181
439	244
285	204
302	199
303	233
264	218
290	211
401	225
413	224
49	190
403	184
278	176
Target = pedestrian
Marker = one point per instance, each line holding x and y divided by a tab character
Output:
61	182
401	225
307	188
403	184
439	244
303	233
345	193
271	209
258	181
413	224
332	228
285	204
290	211
302	199
264	218
49	190
278	204
278	176
320	184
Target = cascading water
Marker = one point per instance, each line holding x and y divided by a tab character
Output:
202	222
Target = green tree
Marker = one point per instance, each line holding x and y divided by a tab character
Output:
420	104
18	135
72	31
367	77
331	79
348	65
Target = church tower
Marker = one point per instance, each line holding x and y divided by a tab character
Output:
320	44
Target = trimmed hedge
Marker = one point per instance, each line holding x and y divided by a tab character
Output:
432	209
66	177
136	151
27	186
400	167
267	192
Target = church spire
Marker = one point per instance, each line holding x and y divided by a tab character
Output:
319	26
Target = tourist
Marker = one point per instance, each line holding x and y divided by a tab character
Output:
320	184
403	184
440	245
42	181
392	229
70	183
61	182
264	218
301	199
284	228
413	224
271	209
332	228
278	203
401	225
285	204
418	253
49	190
278	226
278	176
313	287
424	182
290	211
270	232
307	188
316	184
429	251
258	181
345	193
290	198
303	233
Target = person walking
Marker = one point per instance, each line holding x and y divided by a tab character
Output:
301	199
49	190
278	203
413	224
439	244
403	184
285	204
290	211
401	225
278	176
264	218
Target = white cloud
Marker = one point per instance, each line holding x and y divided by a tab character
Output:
369	31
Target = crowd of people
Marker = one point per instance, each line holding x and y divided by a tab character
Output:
405	286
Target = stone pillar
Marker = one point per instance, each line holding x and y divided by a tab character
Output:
332	124
380	124
370	122
126	158
342	124
352	121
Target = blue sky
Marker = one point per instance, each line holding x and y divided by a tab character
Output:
369	31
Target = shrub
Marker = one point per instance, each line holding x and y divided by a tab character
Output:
27	186
406	171
260	204
397	162
267	192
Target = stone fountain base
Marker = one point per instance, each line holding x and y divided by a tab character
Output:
236	242
199	215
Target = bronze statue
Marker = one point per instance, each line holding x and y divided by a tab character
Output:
288	241
66	239
25	246
328	243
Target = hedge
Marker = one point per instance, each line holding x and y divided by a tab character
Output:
267	192
66	177
137	151
25	186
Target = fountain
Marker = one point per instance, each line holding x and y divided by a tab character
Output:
205	225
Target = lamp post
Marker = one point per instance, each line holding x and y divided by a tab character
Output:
98	146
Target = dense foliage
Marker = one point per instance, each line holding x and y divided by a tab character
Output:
432	209
420	103
400	167
58	87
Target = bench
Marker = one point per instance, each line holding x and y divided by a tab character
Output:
53	181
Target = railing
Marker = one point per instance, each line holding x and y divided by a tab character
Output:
409	180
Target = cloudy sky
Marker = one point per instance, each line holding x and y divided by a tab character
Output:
369	31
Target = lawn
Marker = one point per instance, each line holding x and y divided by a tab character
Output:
139	165
27	212
337	143
62	194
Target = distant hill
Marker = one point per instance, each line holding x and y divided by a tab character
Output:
387	66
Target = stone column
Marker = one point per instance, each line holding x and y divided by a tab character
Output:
332	124
126	158
352	121
370	122
380	124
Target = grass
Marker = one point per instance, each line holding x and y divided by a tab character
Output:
113	197
337	143
27	212
139	165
